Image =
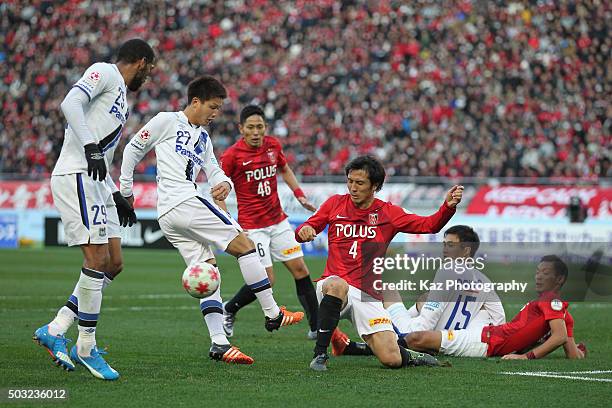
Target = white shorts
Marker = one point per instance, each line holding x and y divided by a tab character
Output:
275	242
366	313
465	342
194	225
87	209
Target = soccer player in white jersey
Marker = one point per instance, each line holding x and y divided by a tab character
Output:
89	203
441	309
190	221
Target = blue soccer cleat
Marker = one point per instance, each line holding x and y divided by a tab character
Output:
95	364
56	346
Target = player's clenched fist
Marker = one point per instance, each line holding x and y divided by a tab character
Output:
221	191
307	233
454	195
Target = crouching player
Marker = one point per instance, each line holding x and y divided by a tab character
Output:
546	318
360	228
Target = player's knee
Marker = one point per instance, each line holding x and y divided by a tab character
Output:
415	340
391	358
336	287
300	272
241	245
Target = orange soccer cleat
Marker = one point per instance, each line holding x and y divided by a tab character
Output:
284	318
339	341
229	354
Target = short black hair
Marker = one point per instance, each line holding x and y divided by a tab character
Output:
558	265
134	50
466	235
249	111
372	166
205	88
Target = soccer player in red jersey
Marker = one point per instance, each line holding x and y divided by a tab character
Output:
546	318
252	163
360	228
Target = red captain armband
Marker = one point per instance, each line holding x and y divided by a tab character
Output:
298	193
531	356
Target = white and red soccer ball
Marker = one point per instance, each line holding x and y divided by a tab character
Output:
201	279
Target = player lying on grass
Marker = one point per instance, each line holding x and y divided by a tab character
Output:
361	228
442	309
91	207
191	222
545	318
252	163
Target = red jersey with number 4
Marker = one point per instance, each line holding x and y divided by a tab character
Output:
253	172
528	326
356	236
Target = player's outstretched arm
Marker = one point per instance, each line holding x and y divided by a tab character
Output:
289	177
454	196
572	350
558	337
316	223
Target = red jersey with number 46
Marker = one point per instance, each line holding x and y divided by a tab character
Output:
528	326
253	172
356	236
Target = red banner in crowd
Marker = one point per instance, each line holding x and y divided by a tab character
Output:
539	201
37	195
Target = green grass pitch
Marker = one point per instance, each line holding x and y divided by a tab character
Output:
157	341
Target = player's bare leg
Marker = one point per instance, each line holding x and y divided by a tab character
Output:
385	347
335	295
426	341
256	278
305	292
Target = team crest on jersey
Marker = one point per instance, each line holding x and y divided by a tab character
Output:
373	218
556	305
145	135
95	76
272	156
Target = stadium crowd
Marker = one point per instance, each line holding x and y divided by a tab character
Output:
448	88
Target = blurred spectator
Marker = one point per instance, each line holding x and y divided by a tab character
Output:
453	88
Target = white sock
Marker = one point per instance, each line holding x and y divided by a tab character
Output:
62	322
89	293
66	316
256	278
413	311
400	317
212	309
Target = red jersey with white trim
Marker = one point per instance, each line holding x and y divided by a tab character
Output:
356	236
253	171
528	326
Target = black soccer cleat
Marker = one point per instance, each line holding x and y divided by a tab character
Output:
418	359
319	362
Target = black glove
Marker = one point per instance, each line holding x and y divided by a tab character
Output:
96	167
127	216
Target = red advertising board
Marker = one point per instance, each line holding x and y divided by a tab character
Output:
37	195
539	201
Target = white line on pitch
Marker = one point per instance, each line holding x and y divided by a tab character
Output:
559	375
575	372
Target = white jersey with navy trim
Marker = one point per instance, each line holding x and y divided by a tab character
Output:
105	116
182	150
456	309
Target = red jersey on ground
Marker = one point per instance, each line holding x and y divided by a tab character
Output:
528	326
253	172
356	236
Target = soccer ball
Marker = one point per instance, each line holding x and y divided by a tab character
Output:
201	279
